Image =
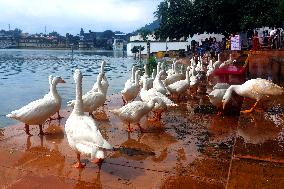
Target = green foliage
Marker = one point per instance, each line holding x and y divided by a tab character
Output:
108	34
180	18
135	49
152	64
144	32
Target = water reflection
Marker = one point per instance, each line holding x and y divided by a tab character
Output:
256	129
24	74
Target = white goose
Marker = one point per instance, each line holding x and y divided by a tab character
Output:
217	63
147	78
131	90
38	111
199	66
134	111
92	100
227	62
132	79
193	78
210	68
174	77
158	85
170	71
104	81
217	94
162	105
81	130
160	67
181	86
255	89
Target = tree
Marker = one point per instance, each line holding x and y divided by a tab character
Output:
108	34
144	33
180	18
175	18
81	32
135	50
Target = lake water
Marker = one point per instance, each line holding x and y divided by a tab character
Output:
24	74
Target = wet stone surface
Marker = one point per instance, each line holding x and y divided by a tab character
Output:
187	149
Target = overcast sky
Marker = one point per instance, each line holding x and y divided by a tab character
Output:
70	15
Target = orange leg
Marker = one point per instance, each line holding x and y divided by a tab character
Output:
79	164
27	130
159	116
59	116
97	161
252	108
141	129
124	101
129	129
41	130
154	118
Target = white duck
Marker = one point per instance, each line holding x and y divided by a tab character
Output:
92	100
158	85
131	90
217	94
81	130
181	86
38	111
134	111
104	81
255	89
217	63
162	105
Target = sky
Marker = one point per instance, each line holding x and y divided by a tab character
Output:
68	16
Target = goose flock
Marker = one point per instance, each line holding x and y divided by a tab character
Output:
141	95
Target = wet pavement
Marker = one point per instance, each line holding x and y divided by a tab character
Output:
184	150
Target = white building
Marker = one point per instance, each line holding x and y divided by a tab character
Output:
118	44
203	36
140	38
156	46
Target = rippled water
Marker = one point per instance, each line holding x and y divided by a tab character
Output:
24	74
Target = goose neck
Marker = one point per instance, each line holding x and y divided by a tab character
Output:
133	74
103	68
187	76
144	85
100	87
158	67
146	70
54	91
137	78
78	107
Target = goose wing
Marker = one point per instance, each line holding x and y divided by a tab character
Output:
85	132
35	112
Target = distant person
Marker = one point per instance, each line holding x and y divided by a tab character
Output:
255	41
249	37
193	46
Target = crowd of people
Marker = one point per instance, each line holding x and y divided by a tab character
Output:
254	41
